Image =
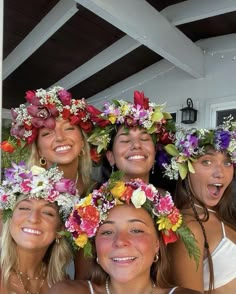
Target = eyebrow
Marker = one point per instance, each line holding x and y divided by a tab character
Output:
133	220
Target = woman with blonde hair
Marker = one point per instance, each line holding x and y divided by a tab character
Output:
35	203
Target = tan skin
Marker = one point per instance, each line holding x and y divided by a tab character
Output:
210	169
63	146
133	152
34	227
126	246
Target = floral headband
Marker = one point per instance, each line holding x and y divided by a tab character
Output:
36	183
190	144
44	108
90	212
141	113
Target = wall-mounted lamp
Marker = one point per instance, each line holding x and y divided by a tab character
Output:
189	114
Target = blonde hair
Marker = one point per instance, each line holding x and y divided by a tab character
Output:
85	161
56	258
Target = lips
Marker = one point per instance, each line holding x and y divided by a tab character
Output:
136	157
62	148
215	189
124	260
31	231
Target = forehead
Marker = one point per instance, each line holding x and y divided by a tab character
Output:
131	131
38	203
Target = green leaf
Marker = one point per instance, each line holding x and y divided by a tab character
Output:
190	243
171	149
183	169
190	167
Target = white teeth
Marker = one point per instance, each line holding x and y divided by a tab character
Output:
218	185
123	258
62	148
135	157
31	231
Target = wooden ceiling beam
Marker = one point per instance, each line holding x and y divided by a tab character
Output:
142	22
60	14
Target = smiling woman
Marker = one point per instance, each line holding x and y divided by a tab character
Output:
34	203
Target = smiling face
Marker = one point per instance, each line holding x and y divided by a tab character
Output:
126	243
61	145
34	224
133	152
213	174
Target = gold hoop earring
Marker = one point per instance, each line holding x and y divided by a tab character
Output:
42	161
156	258
82	152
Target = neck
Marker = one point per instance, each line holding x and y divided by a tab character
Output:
199	206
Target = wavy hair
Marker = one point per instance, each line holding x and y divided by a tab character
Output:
56	258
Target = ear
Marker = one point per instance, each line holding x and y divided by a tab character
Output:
110	157
157	246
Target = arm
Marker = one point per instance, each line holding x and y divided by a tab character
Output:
184	271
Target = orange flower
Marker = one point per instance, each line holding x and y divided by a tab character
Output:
7	147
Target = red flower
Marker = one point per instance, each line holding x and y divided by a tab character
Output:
94	155
140	99
95	115
169	236
65	97
7	147
65	113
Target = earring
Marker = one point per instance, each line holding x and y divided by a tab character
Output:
82	152
42	161
153	167
156	258
57	241
112	168
97	260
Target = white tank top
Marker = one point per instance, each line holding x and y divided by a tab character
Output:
92	291
224	263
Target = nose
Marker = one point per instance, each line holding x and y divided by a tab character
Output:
34	216
135	144
218	171
121	239
59	135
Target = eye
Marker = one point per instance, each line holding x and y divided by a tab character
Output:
70	128
227	163
23	208
206	162
137	231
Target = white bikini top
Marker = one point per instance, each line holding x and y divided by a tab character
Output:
92	291
224	263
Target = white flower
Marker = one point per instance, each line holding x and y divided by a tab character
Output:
138	198
36	170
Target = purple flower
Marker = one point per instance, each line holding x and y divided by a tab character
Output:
222	138
190	143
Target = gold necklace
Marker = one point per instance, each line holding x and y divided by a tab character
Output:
109	292
19	276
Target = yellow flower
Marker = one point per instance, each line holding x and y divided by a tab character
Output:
86	201
164	223
118	190
112	118
82	240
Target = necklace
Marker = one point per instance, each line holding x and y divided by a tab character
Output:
199	206
109	292
20	275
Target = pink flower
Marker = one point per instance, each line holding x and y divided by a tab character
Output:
165	204
53	196
66	185
25	186
65	97
4	198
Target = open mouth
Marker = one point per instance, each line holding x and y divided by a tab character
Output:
215	189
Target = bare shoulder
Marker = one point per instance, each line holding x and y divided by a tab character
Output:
70	287
181	290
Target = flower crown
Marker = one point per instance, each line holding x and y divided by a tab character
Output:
36	183
90	212
192	143
141	113
43	109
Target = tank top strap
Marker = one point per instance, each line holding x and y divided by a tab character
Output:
223	229
90	287
172	290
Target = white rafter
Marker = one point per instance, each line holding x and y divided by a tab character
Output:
101	60
142	22
192	10
61	12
